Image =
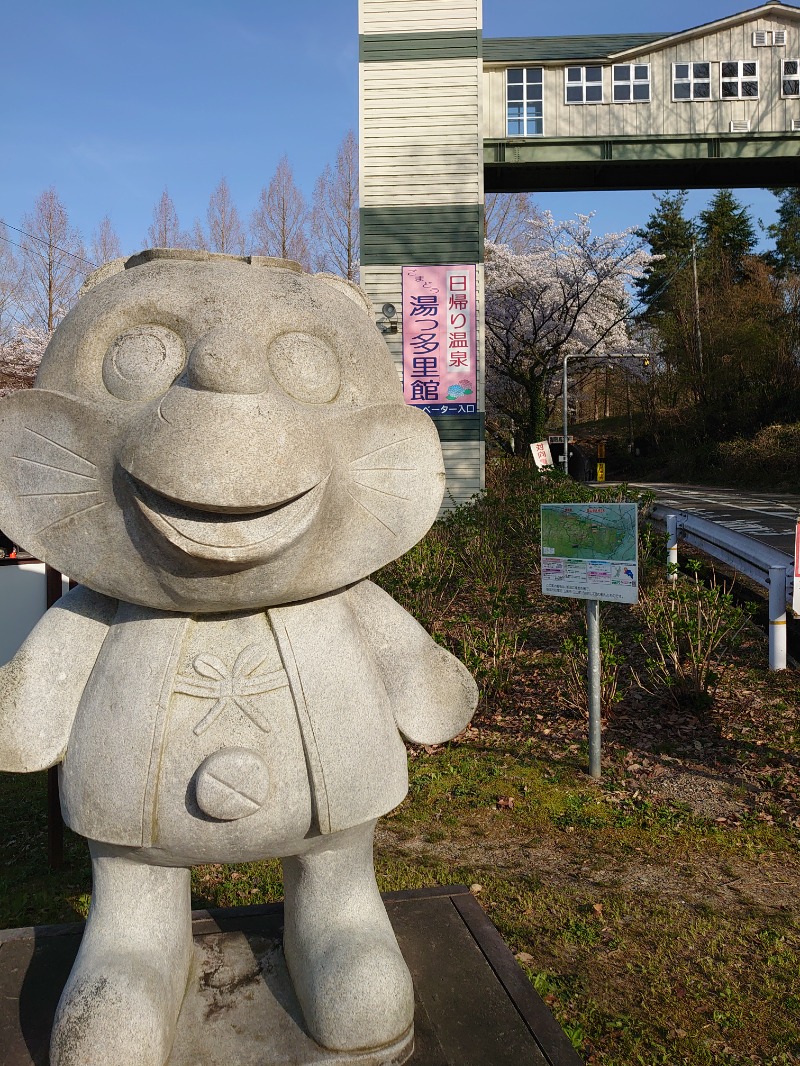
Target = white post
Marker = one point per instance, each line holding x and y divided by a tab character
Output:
565	456
777	618
672	547
593	679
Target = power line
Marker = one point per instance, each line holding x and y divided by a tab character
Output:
17	244
41	240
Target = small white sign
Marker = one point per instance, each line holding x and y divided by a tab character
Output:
590	551
542	455
796	587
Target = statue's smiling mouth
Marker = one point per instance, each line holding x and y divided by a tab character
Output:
227	534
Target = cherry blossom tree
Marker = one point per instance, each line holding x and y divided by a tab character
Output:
11	283
567	294
20	357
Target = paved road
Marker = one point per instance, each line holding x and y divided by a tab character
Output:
767	517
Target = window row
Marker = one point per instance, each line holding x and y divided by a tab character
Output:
630	83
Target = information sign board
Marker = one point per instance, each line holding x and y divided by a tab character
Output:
590	551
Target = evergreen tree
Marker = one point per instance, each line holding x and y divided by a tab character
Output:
786	233
669	234
727	236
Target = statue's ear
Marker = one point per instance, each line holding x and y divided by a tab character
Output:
55	469
349	288
107	270
393	480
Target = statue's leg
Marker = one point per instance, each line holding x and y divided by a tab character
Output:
122	999
350	978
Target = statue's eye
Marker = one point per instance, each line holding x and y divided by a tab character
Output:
143	362
305	367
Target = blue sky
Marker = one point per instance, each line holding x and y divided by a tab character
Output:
112	102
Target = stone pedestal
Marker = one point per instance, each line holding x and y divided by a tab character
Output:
473	1004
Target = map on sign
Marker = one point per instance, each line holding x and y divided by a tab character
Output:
590	551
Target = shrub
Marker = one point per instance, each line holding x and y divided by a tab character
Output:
692	629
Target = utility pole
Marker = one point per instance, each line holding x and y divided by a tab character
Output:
698	335
565	455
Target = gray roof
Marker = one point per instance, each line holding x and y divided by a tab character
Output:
601	46
542	49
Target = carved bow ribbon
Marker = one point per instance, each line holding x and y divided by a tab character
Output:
214	681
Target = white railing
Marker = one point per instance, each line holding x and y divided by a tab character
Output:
768	567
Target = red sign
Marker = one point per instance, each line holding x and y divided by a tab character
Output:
440	347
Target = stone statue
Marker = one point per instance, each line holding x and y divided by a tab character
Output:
218	451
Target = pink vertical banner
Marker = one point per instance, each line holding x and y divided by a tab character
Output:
440	347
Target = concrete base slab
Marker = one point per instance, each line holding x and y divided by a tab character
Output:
474	1005
241	1008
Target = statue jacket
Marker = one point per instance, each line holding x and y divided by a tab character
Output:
354	669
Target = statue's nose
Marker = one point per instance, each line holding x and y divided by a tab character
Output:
225	360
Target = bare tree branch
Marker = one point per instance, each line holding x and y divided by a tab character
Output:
165	230
279	223
506	218
225	230
334	214
54	262
105	244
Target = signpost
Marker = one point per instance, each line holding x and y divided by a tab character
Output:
542	455
590	551
796	583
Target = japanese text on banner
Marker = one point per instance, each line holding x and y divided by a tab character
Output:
440	338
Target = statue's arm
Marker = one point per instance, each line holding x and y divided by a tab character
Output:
41	687
433	695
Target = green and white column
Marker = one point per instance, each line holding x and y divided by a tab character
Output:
421	173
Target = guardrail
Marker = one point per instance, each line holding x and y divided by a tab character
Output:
768	567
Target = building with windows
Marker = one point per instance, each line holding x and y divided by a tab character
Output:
447	115
643	103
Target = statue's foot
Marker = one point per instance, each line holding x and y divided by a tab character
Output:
122	1011
121	1003
348	973
354	989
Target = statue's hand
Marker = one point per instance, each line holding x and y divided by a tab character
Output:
433	695
41	687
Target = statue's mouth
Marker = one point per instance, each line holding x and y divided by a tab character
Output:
227	534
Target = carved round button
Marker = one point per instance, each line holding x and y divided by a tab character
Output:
231	783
